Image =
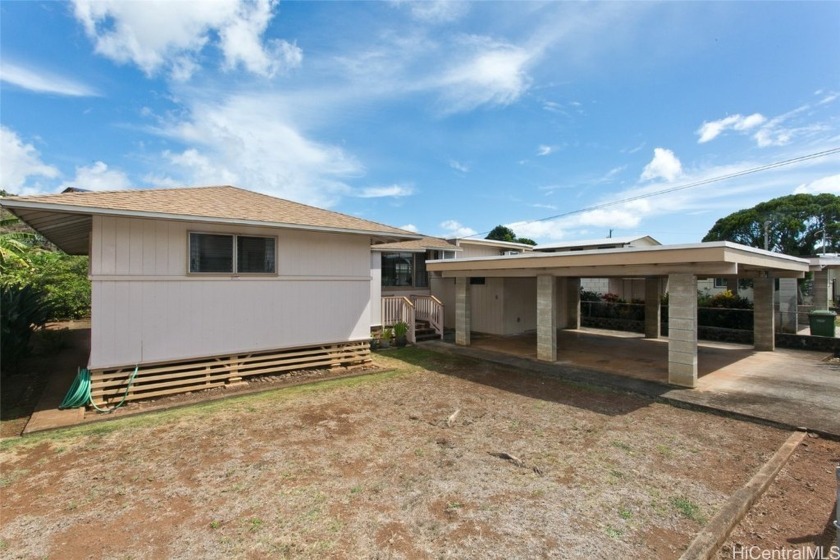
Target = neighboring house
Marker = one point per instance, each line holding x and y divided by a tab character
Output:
399	283
398	270
626	288
492	298
199	287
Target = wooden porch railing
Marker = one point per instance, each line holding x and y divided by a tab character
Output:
396	309
430	308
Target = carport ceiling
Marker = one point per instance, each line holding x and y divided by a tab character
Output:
716	259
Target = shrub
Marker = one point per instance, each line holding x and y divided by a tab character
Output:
61	278
22	310
586	295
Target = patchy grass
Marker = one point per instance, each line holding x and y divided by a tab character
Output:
369	467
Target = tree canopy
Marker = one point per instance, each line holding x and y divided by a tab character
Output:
795	225
504	233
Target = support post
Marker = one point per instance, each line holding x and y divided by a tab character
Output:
653	305
546	318
764	336
822	291
573	303
462	311
788	306
682	330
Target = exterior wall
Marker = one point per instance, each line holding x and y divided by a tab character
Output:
146	308
708	285
499	306
520	307
470	251
488	306
597	285
375	288
628	288
444	289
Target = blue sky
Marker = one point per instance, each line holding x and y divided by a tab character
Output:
446	118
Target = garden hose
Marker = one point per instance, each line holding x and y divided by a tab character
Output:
79	393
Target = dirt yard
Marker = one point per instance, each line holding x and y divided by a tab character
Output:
797	511
440	458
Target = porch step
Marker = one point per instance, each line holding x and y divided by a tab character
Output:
422	331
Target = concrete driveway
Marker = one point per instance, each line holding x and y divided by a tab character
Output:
795	388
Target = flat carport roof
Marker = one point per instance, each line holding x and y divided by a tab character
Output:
714	259
558	290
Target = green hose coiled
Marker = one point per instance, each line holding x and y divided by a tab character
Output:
79	393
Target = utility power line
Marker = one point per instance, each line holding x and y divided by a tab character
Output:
700	183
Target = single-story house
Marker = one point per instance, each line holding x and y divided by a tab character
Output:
200	287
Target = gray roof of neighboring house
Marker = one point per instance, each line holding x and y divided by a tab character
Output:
418	245
65	219
493	242
611	242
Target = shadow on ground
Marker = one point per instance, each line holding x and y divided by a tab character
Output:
532	382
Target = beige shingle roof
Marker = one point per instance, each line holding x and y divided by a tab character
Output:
221	202
423	244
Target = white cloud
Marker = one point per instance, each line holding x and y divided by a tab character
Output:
623	216
553	230
453	228
458	166
544	150
409	227
830	184
43	82
241	42
20	161
163	34
249	141
664	165
492	73
98	177
388	191
708	131
438	11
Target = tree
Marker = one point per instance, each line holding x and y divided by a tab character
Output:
795	225
504	233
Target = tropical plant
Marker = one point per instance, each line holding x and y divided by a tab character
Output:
22	310
400	329
15	246
61	278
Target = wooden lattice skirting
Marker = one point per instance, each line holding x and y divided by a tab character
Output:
170	378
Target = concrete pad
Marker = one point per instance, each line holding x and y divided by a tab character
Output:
791	388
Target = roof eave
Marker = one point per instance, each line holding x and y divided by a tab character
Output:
94	211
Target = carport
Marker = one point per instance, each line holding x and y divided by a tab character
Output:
671	268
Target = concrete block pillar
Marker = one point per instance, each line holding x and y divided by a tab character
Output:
822	289
572	303
788	307
653	304
764	337
682	329
546	318
463	311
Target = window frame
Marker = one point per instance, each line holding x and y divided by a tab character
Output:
234	257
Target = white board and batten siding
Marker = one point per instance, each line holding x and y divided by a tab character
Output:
375	288
147	308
